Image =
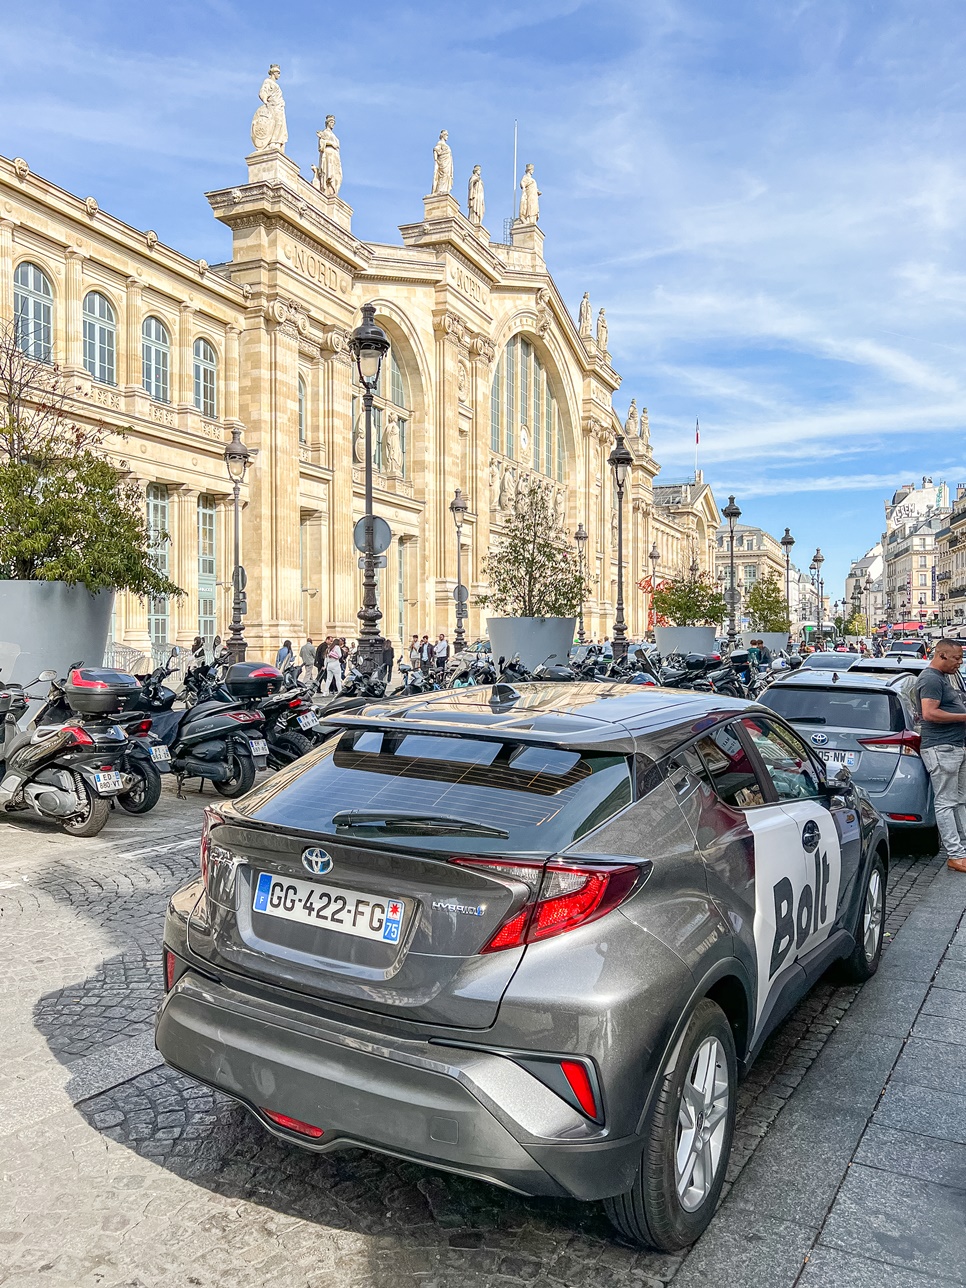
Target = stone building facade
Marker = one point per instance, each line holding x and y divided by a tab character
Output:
489	382
914	516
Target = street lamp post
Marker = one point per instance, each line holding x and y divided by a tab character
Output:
238	458
620	461
817	560
581	538
369	346
868	606
458	508
922	611
655	557
942	612
786	544
732	514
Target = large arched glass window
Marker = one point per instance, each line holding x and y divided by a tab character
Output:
522	402
206	378
391	415
302	409
156	359
100	338
33	311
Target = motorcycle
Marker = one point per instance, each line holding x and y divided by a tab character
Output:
67	772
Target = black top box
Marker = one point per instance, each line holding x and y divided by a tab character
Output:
99	690
252	679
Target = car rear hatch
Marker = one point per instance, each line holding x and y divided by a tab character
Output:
860	727
377	871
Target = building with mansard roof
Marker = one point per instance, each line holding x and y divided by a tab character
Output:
489	382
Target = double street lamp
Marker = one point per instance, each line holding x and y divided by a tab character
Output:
655	557
458	508
620	461
815	567
732	514
369	346
238	457
581	538
786	544
868	605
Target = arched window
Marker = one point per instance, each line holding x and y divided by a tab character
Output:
301	410
33	311
206	378
522	401
391	414
155	359
100	338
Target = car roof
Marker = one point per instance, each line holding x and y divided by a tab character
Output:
848	679
621	718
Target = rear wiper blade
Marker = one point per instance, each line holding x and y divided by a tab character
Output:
425	822
810	720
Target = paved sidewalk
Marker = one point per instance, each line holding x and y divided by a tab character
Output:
116	1171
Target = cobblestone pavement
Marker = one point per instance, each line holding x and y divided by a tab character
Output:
114	1170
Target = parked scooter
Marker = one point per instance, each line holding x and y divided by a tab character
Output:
69	772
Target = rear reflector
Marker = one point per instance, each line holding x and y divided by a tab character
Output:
170	963
293	1124
581	1086
905	818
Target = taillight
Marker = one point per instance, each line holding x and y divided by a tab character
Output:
296	702
140	729
78	736
906	743
293	1124
170	964
562	897
212	819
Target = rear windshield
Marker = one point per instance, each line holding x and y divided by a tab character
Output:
838	708
544	798
829	661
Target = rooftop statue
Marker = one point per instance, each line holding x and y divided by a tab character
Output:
442	166
529	197
475	205
328	173
268	124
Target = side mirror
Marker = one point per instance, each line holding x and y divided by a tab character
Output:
47	675
839	782
176	651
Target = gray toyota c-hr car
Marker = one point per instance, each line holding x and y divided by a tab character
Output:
530	935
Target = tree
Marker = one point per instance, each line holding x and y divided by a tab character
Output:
765	605
533	570
66	511
689	601
856	624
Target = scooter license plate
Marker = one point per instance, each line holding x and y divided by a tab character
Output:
160	753
308	721
108	781
259	747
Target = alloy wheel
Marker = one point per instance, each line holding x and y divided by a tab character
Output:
872	916
702	1116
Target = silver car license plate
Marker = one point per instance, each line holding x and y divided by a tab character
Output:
347	911
846	758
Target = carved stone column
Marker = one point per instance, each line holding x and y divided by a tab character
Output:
73	347
442	475
6	268
130	363
229	397
182	377
340	583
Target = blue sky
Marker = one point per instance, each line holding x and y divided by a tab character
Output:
768	196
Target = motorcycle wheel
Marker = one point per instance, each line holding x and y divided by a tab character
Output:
145	793
293	745
90	821
242	777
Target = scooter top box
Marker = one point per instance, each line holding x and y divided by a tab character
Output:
252	679
99	690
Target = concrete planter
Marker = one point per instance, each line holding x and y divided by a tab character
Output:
534	638
50	624
774	640
685	639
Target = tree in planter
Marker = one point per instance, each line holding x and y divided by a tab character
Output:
66	512
533	571
765	605
688	601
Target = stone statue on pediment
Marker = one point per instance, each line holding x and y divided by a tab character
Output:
632	424
506	489
442	166
391	460
475	205
328	173
559	506
268	124
585	316
494	483
529	197
602	331
645	430
613	527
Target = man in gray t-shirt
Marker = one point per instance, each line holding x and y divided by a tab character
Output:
944	746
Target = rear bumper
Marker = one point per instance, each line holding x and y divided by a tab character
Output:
908	793
467	1111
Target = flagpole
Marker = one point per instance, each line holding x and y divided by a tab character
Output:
697	440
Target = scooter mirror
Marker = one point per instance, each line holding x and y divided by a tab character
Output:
47	675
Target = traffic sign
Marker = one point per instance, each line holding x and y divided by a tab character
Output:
461	594
240	578
381	533
379	561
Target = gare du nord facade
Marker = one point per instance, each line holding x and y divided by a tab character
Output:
489	382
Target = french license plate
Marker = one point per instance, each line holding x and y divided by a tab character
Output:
259	747
846	758
160	752
109	781
308	721
347	911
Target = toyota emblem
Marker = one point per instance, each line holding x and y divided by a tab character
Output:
316	861
819	739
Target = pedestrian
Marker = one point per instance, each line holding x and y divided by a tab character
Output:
754	656
943	746
197	653
348	654
307	654
284	657
441	652
320	653
388	657
426	654
414	652
333	668
765	653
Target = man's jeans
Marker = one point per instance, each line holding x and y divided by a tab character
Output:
947	770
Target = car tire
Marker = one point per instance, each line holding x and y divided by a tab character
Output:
145	793
863	962
692	1119
90	821
242	778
